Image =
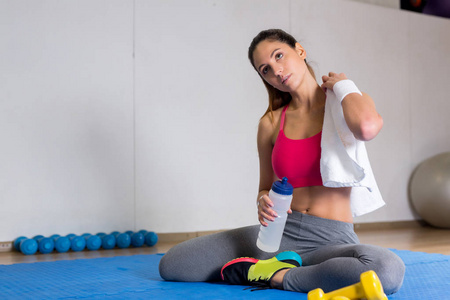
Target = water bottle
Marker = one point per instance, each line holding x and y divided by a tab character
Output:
269	238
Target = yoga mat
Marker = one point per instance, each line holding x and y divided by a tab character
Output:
136	277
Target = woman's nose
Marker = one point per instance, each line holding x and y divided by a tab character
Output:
279	71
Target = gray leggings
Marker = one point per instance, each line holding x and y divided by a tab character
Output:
330	250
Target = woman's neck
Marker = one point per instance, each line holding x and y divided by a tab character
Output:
308	95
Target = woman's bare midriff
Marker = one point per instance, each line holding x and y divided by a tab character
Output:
323	202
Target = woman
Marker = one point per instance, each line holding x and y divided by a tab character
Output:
319	231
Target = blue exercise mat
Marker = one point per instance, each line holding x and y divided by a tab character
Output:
136	277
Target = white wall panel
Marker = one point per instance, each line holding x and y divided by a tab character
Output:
94	140
198	103
66	117
429	59
345	36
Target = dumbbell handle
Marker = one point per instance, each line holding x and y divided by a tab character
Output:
354	291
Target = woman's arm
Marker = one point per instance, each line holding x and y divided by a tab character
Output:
360	113
266	174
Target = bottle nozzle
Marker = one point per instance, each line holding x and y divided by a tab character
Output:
282	187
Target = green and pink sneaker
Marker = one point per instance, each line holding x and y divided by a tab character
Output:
252	271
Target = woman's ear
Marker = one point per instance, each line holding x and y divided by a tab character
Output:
300	51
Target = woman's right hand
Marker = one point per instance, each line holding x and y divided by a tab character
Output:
265	211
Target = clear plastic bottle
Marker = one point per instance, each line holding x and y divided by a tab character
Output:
269	238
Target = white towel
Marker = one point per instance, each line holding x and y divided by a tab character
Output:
344	161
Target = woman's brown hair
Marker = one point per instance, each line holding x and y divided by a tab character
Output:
277	98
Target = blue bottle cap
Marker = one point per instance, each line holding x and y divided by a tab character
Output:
282	187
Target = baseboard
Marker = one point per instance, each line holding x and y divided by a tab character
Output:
180	237
390	225
184	236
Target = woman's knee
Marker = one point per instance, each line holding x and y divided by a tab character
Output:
166	269
394	272
390	269
198	259
177	264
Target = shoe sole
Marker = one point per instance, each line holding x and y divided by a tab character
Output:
287	256
238	260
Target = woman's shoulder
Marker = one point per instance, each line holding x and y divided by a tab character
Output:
270	121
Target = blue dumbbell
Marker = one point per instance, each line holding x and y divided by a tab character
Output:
78	243
143	231
17	242
28	246
54	236
101	234
37	237
129	232
62	244
71	235
137	239
151	238
93	242
108	242
123	240
45	245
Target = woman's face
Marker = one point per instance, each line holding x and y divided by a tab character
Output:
280	65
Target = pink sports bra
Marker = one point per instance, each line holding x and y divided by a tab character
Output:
298	160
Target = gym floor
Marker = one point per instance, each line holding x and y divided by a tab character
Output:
403	236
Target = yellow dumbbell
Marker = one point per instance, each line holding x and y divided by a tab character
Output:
369	288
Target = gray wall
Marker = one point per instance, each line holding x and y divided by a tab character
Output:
118	115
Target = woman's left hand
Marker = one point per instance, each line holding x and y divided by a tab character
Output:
330	80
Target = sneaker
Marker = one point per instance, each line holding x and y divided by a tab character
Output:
252	271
